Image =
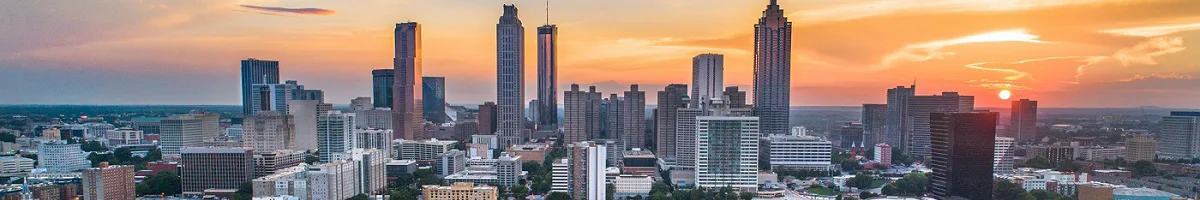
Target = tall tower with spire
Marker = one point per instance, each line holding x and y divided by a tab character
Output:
547	108
510	78
772	70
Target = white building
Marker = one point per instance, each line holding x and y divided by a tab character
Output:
627	185
304	115
123	136
727	152
234	131
58	156
421	150
372	170
560	176
14	166
1003	162
373	139
97	130
268	131
335	135
178	131
708	72
450	162
333	181
490	140
380	118
800	152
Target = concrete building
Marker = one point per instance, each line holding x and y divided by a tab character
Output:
670	100
581	114
459	191
560	176
451	162
304	119
372	170
333	180
727	151
206	168
335	135
883	154
59	156
256	71
373	139
1003	161
851	135
587	172
108	182
510	78
406	96
628	186
530	152
1140	147
378	118
433	104
773	70
897	114
178	131
269	131
735	98
547	77
381	87
486	119
15	166
963	154
291	181
506	171
425	150
799	152
123	136
266	163
271	97
633	118
917	142
361	103
874	121
1179	136
1022	124
708	79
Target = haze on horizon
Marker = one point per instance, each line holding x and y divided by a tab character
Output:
1063	53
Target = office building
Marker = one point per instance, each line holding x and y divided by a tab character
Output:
234	132
15	166
148	125
708	73
560	176
381	87
1140	147
206	168
874	121
633	118
268	131
611	111
896	131
1004	151
773	70
373	139
378	118
271	97
727	151
510	78
304	117
547	80
335	135
883	154
629	186
256	71
798	152
1022	125
1179	136
504	171
963	154
587	173
123	136
423	150
639	162
292	181
179	131
508	170
59	156
670	100
486	119
459	191
451	162
406	97
735	98
108	182
361	103
266	163
372	170
434	102
917	141
334	180
581	114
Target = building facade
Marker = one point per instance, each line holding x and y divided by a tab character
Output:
108	183
434	102
773	70
633	118
897	112
406	97
460	191
670	100
59	156
547	87
874	121
1140	147
510	78
335	135
727	152
1003	161
963	154
799	152
1022	124
581	114
708	74
917	141
381	87
255	71
269	131
215	168
1179	136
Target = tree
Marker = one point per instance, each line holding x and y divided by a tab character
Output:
402	195
851	165
899	158
866	195
245	191
913	184
1007	190
558	196
1037	162
311	158
519	191
658	196
609	191
860	181
359	197
162	183
745	195
660	187
1144	168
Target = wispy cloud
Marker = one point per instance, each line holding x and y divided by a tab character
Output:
299	11
933	50
1158	76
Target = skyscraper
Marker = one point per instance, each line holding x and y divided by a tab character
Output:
271	97
587	172
178	131
1140	147
897	111
256	71
434	102
406	98
1180	135
335	135
487	119
772	70
269	131
381	87
1023	121
874	121
708	73
727	153
581	114
612	117
547	39
919	108
510	78
304	116
963	154
60	156
735	97
670	100
633	118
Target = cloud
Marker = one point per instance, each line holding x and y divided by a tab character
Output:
933	50
1138	77
1145	52
299	11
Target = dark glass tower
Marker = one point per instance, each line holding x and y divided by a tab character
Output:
256	71
381	87
962	154
772	70
547	107
434	103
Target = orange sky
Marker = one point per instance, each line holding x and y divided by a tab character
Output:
1091	53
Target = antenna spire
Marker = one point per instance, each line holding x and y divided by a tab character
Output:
547	12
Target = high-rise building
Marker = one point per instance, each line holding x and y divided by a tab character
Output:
372	172
381	87
266	163
304	117
917	117
108	182
547	87
271	97
335	135
460	191
215	168
361	103
633	118
268	131
1140	147
1023	121
803	152
425	150
373	139
581	114
1179	136
773	70
851	135
686	129
897	112
434	102
334	180
256	71
670	100
963	154
1003	162
735	98
708	73
510	78
883	154
59	156
612	117
378	118
406	97
451	162
299	93
587	174
727	151
874	120
486	119
178	131
560	176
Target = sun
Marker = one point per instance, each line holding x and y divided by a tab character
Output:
1005	94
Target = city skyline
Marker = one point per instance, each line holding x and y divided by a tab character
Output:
1138	49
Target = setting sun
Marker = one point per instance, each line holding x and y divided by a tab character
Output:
1005	94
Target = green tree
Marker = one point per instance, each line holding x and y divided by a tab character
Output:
866	195
913	184
245	191
1037	162
1143	168
745	195
660	187
1007	190
658	196
519	191
311	158
359	197
609	191
558	196
403	195
860	181
163	183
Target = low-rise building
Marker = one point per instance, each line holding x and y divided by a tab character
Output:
628	185
14	166
460	191
530	152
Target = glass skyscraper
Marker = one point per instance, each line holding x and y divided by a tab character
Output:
255	71
381	87
434	104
